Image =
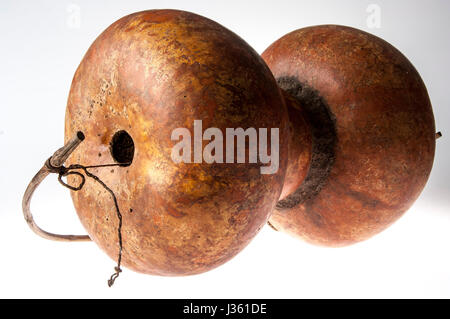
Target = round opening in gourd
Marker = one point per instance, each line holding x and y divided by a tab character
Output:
122	148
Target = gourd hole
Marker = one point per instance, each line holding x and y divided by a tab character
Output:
122	148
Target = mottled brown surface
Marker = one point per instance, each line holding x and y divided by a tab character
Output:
299	156
315	137
148	74
384	125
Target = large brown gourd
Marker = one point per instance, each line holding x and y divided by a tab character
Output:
356	139
144	76
370	120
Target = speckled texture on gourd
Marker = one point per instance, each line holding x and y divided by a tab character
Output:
149	73
385	132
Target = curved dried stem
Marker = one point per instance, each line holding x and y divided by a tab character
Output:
51	166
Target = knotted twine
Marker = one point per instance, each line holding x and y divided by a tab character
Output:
63	171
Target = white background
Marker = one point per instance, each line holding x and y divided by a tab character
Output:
42	43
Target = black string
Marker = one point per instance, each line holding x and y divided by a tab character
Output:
71	170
